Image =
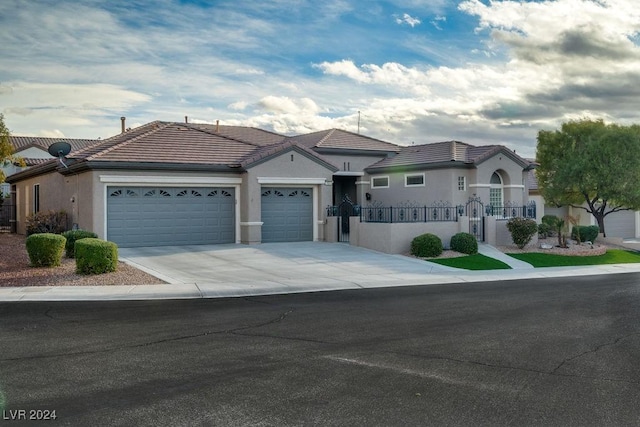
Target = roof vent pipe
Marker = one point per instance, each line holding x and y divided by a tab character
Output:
186	119
217	125
122	121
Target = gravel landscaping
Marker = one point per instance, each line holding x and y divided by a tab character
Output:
15	270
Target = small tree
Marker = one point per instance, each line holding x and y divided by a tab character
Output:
522	230
6	150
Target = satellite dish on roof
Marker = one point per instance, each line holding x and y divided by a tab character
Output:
59	149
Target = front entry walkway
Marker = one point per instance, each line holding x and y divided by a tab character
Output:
490	251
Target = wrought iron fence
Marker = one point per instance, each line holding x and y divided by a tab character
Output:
397	214
394	214
503	213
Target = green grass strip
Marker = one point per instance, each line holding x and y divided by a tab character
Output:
472	262
612	256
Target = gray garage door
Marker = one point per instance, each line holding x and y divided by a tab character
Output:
621	224
161	216
287	214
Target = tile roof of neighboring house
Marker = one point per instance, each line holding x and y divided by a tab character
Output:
444	152
20	143
33	162
336	138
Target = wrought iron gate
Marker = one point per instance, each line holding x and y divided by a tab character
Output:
7	217
346	210
474	209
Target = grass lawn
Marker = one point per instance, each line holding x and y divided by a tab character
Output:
612	256
472	262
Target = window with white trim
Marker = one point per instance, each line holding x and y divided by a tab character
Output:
380	182
496	190
462	183
414	180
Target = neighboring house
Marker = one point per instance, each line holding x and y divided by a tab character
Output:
33	150
169	183
621	224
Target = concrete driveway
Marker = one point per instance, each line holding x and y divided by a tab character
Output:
278	267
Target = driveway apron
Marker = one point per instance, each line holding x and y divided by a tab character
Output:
290	266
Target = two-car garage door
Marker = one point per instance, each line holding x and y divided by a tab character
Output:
158	216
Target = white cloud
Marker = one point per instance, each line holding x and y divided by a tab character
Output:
437	20
408	20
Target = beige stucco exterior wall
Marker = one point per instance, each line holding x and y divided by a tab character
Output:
441	185
57	192
512	179
396	238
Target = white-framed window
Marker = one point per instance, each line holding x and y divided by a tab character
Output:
414	180
380	182
462	183
496	190
36	198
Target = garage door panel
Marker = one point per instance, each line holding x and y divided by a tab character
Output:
170	216
287	214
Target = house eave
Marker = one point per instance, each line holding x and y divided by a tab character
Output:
420	166
148	166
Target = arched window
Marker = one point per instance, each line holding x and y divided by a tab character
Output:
496	191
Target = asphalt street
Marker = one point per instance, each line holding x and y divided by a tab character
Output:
559	351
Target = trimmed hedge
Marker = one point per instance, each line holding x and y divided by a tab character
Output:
587	233
464	243
95	256
45	249
522	230
426	245
72	236
47	222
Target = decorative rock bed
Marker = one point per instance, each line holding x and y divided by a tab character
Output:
550	246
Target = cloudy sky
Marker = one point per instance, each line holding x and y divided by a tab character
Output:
415	71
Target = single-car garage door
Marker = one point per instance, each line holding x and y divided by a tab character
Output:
162	216
287	214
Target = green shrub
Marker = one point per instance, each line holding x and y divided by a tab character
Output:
47	222
550	220
464	243
72	236
522	230
585	233
426	245
95	256
45	249
544	230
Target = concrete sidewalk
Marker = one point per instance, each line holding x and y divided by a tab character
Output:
235	271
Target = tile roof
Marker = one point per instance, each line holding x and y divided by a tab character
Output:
168	142
271	150
249	135
193	144
20	143
336	138
444	152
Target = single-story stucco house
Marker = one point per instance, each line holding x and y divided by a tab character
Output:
169	183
